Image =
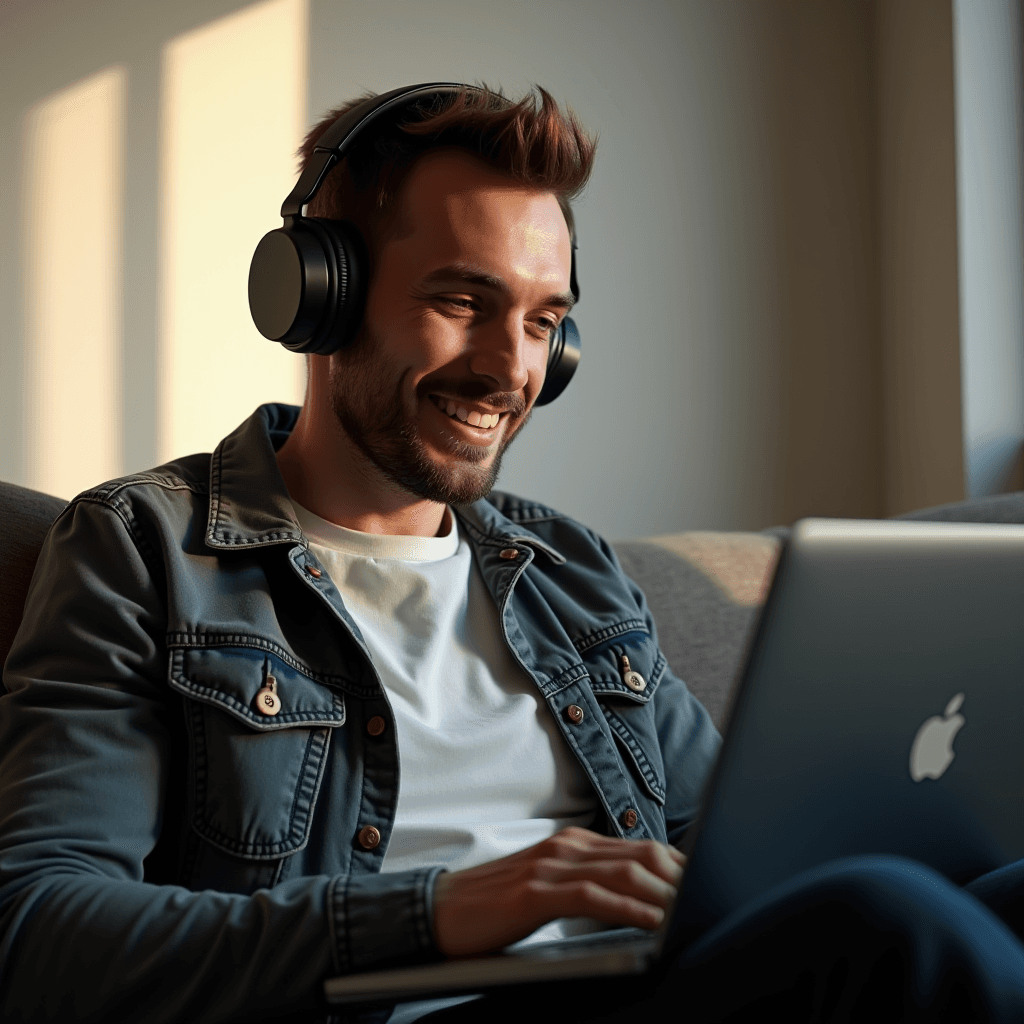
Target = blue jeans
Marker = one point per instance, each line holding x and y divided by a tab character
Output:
862	939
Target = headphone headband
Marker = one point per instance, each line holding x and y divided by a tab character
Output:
332	146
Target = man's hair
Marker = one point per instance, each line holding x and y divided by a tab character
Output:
532	142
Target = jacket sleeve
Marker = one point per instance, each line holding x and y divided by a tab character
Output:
84	764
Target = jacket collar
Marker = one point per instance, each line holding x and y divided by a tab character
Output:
250	507
249	504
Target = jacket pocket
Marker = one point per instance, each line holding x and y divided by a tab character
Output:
625	695
254	776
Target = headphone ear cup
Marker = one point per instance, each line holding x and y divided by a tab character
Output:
348	267
563	358
307	285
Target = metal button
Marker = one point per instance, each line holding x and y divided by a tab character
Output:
267	701
314	571
574	713
376	725
369	838
508	554
632	679
629	818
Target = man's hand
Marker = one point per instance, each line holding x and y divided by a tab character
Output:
576	873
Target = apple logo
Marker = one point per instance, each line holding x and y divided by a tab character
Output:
932	751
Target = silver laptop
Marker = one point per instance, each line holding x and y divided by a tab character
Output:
880	710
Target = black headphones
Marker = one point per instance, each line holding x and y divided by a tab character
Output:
307	279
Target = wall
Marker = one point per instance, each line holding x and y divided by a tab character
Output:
918	243
741	278
990	180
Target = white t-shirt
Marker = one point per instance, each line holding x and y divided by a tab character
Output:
484	770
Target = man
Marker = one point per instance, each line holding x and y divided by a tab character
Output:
170	850
321	702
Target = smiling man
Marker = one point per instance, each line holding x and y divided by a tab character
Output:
322	701
451	358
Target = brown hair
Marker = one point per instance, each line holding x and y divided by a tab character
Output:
532	142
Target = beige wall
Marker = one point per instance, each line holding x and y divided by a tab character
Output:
768	246
918	286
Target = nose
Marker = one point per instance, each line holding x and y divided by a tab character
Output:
500	351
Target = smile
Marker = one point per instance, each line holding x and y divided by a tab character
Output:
475	418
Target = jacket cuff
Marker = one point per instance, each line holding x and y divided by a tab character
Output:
378	919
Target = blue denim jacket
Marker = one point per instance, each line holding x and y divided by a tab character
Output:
167	851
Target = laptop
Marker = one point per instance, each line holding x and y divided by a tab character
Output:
879	710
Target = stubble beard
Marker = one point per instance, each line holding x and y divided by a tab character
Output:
370	410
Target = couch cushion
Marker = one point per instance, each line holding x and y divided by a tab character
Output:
997	508
25	517
703	590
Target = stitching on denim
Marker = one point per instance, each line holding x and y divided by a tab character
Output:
281	721
199	761
297	837
250	851
204	639
599	636
503	540
278	871
613	686
121	510
571	738
215	474
308	785
332	923
252	542
111	491
623	733
521	512
429	880
149	556
564	678
346	929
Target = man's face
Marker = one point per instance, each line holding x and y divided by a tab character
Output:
454	344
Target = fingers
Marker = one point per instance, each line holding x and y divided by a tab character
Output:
589	898
579	845
576	873
627	878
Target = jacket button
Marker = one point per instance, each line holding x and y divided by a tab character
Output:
633	680
376	725
508	554
574	713
369	838
314	571
267	701
628	819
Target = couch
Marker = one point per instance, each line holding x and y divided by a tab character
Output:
703	587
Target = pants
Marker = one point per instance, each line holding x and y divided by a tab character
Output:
862	939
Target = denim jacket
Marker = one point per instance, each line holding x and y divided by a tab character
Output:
167	851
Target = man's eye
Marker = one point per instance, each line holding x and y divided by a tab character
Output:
462	303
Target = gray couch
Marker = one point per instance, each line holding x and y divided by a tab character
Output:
704	588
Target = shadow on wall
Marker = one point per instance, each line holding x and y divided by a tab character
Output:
232	112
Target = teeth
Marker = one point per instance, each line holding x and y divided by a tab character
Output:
484	420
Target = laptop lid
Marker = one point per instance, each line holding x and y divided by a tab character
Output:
880	710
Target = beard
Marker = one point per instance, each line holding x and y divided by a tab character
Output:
366	397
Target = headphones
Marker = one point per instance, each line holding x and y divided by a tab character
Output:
307	279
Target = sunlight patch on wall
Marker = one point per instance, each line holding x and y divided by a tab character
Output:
232	116
74	158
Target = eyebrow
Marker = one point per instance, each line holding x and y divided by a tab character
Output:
469	274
